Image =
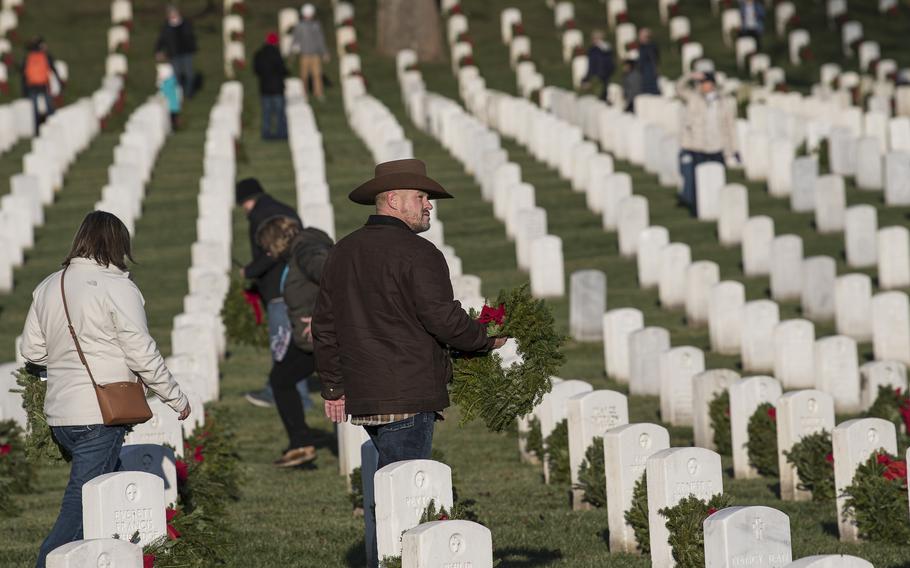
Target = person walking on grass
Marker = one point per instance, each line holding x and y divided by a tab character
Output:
308	42
271	72
37	71
265	271
708	132
648	62
177	41
95	292
303	250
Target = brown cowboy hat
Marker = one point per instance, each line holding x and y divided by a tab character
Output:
410	173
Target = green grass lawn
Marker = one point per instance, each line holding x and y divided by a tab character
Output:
303	517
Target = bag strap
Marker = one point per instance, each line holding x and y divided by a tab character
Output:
69	324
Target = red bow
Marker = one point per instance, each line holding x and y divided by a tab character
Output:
148	561
489	314
183	471
772	413
254	300
169	515
5	449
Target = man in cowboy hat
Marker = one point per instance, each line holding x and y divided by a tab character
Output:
386	315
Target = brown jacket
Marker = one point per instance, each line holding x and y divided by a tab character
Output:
383	321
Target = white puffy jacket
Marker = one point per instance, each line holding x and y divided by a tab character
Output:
108	315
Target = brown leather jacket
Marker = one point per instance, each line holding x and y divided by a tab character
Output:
384	319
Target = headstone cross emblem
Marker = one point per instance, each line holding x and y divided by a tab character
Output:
812	406
692	465
104	560
644	441
420	478
132	492
456	543
758	528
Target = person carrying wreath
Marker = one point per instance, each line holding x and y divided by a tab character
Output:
386	316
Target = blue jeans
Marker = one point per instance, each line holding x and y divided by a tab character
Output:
274	121
42	104
95	450
186	75
408	439
688	160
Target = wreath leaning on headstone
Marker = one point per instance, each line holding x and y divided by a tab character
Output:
15	469
40	446
483	389
557	452
685	521
591	474
813	459
244	320
762	444
719	413
637	515
893	405
533	438
877	499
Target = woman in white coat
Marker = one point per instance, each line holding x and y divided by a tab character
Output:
108	316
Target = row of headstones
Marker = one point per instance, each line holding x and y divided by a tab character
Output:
17	122
63	136
313	202
198	334
627	448
134	159
232	31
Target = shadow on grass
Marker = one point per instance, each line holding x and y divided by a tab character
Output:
521	557
356	556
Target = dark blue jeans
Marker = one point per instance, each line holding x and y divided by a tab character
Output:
95	450
274	121
688	160
408	439
42	105
186	74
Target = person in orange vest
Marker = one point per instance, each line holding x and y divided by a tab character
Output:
37	68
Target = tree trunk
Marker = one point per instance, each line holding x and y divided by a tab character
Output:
409	24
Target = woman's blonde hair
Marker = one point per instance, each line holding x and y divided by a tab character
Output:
276	233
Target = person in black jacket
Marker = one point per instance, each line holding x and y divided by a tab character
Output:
600	62
648	62
271	71
177	41
266	272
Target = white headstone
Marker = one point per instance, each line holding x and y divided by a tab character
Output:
618	325
868	164
710	178
102	552
705	386
837	372
701	277
447	543
759	318
547	280
617	186
897	178
753	536
891	326
626	451
726	302
817	296
853	442
745	397
590	415
645	347
122	503
893	257
830	561
860	236
673	475
794	344
675	259
632	218
875	374
678	366
155	459
830	204
651	242
804	178
786	267
402	491
799	413
734	212
758	235
853	306
587	304
162	428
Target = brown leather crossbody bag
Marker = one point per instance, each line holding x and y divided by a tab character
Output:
122	402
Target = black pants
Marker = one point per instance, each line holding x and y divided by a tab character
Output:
284	376
753	34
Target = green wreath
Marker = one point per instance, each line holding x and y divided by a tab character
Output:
637	515
877	499
685	521
813	459
483	389
591	474
762	444
719	413
558	454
